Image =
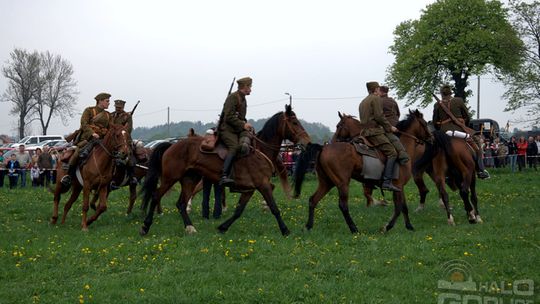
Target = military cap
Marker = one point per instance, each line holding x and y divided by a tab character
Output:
446	90
372	85
384	89
102	96
119	102
246	81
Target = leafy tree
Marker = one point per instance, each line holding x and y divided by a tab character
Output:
524	85
452	40
56	94
22	72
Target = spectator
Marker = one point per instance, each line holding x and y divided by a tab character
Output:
512	153
54	157
538	144
35	156
502	152
45	163
13	171
34	175
23	157
532	153
218	191
2	169
521	152
488	154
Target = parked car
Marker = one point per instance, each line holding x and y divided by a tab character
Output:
36	139
48	143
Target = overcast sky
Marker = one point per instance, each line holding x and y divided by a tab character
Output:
184	54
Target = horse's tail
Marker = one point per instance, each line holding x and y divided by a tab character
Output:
441	144
302	165
153	174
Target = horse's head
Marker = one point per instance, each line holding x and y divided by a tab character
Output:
117	141
291	128
416	125
347	128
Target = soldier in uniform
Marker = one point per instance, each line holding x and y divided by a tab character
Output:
94	125
121	117
443	122
375	127
391	113
234	128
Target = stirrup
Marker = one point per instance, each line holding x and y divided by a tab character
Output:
226	181
387	185
483	175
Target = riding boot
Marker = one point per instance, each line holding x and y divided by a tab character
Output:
85	151
403	157
482	172
388	174
131	174
225	175
72	167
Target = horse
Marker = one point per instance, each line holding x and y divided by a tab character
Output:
451	162
96	174
338	162
185	163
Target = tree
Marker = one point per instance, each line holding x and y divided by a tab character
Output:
523	87
56	93
452	40
22	72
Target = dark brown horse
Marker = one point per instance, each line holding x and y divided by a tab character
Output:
96	174
451	162
184	162
337	163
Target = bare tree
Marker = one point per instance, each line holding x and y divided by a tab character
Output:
57	93
22	72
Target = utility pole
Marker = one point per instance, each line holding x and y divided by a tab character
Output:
478	100
168	122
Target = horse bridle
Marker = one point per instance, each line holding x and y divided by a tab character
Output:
286	124
115	155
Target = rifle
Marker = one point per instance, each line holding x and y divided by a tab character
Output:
134	108
453	118
232	85
221	115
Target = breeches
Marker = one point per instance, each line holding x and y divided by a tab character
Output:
233	141
382	143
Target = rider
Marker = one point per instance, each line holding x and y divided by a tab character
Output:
391	113
375	128
443	122
94	125
121	117
234	128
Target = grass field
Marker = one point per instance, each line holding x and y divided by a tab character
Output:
253	263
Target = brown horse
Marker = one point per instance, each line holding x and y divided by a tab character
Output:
96	174
337	163
450	161
184	162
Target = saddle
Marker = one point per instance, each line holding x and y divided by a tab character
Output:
212	144
373	159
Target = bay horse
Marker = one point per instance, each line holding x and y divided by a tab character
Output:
338	162
96	174
185	163
451	162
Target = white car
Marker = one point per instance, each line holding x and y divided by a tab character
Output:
48	143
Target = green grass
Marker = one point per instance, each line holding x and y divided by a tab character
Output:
253	263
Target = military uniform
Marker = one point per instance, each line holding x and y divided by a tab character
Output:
121	117
391	113
231	127
443	122
375	126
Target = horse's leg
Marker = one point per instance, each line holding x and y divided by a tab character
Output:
188	184
156	198
344	206
266	192
441	187
422	190
322	189
75	191
132	197
85	207
56	202
405	211
242	202
94	200
464	193
102	206
398	204
474	200
282	172
368	191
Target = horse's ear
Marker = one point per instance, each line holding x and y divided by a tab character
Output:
191	132
288	109
339	114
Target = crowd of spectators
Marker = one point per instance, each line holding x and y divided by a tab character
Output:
38	165
519	154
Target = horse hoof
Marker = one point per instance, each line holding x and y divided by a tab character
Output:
53	221
451	221
224	209
190	229
286	232
384	229
84	229
409	227
479	219
420	208
265	207
143	231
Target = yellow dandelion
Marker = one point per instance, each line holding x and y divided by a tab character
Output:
87	287
141	289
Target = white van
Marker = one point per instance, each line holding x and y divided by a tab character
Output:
36	139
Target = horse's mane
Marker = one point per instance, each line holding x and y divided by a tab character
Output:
110	133
404	124
270	127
